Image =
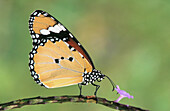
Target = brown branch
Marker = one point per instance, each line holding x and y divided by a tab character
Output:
63	99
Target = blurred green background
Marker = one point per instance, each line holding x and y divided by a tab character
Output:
128	40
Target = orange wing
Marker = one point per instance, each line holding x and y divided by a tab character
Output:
57	58
56	65
43	25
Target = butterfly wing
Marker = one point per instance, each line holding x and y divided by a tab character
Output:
57	58
43	25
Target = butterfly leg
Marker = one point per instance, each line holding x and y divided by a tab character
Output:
97	87
80	87
95	93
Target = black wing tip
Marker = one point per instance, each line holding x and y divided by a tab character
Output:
36	12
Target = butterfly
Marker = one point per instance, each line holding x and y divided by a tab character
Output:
57	58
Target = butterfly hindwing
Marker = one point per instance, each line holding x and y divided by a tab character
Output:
54	63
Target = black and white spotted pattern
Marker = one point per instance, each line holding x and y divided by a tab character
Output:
35	37
91	77
58	30
31	65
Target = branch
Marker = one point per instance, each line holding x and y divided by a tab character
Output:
63	99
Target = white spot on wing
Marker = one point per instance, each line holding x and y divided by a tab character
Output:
81	55
35	77
31	55
57	39
33	73
36	35
64	39
31	61
41	44
66	43
62	27
52	40
72	49
44	40
45	14
31	67
35	13
33	36
34	51
71	35
36	47
38	41
39	14
57	27
45	32
35	40
52	18
54	29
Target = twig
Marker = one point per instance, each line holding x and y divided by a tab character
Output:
63	99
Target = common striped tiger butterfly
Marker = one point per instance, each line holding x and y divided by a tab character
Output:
57	59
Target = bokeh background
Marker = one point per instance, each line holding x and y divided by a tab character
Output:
128	40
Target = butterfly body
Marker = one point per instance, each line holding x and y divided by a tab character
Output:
57	59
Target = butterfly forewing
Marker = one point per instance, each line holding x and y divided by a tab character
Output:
57	58
42	22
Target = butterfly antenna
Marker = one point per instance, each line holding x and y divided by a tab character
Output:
111	82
